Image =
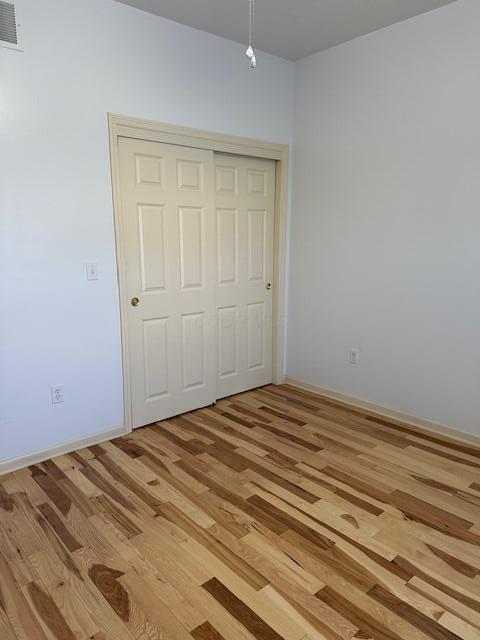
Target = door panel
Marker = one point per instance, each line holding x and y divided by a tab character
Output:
191	246
193	350
255	335
227	245
169	230
245	196
155	351
256	244
151	227
227	342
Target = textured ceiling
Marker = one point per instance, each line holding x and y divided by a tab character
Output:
290	29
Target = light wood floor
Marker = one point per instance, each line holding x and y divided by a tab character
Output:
275	514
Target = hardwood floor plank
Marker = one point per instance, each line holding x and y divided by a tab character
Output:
48	611
59	527
368	623
416	618
257	627
206	632
13	602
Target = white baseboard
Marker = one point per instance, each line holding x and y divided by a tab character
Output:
13	464
388	413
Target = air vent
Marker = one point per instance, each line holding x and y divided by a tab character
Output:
8	26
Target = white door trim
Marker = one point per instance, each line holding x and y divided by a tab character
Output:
127	127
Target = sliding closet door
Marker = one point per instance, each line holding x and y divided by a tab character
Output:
245	199
168	226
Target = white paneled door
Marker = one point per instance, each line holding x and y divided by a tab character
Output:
197	233
245	200
168	226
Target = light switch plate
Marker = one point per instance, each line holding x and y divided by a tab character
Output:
92	270
354	356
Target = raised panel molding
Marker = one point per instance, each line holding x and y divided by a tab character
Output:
256	344
151	228
226	180
193	350
155	349
149	169
227	341
257	182
191	246
189	175
227	240
256	244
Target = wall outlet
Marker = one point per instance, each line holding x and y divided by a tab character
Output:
57	394
354	356
92	270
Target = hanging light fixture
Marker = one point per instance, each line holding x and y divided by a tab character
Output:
250	52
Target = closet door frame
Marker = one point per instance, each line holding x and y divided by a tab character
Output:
126	127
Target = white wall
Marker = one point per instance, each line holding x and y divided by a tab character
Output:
82	59
385	250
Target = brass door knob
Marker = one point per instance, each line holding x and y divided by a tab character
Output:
268	286
134	302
